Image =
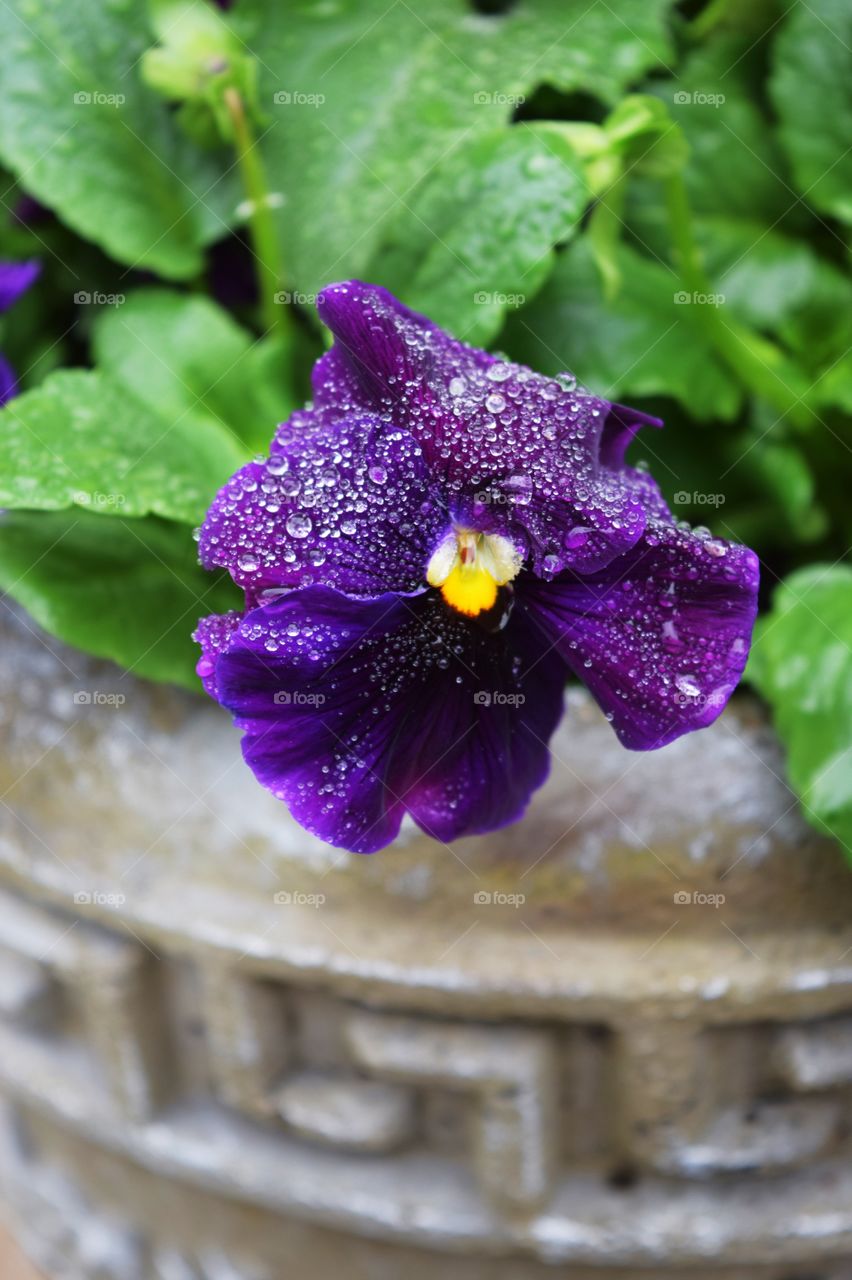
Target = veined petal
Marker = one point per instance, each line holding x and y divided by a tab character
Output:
541	453
348	503
661	636
356	712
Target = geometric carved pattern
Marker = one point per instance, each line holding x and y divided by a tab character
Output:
346	1112
249	1050
247	1036
113	982
816	1055
509	1071
671	1120
665	1098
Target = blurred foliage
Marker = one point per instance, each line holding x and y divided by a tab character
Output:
654	195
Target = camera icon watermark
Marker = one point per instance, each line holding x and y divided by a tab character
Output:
85	299
296	98
287	298
696	498
496	698
82	98
685	898
681	98
97	698
97	898
684	298
496	98
489	898
295	898
85	498
494	298
297	698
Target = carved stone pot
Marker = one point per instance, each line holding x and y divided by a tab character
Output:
614	1040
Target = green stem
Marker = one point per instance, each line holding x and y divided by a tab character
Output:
261	222
758	363
715	13
604	233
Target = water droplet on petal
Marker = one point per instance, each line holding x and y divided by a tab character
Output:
299	525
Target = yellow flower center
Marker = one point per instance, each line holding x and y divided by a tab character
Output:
470	567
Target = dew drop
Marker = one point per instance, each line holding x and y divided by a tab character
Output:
299	525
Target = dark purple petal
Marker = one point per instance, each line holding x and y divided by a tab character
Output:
348	504
661	636
15	279
213	634
364	694
620	426
356	712
8	380
488	427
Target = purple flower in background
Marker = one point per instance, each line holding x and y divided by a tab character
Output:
427	553
15	279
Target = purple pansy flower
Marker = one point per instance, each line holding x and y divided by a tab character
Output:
15	279
426	554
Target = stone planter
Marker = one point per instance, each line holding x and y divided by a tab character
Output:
229	1052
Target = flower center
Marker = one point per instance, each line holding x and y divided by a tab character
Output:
470	567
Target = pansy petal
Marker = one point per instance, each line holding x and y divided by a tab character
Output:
347	504
357	711
661	636
542	452
15	279
620	426
8	381
382	342
213	634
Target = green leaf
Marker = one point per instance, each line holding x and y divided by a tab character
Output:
82	440
835	387
802	664
780	284
641	343
482	239
186	358
95	145
130	590
736	169
371	96
811	88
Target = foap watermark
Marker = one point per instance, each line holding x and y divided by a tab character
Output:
296	898
85	299
685	298
297	98
97	99
297	698
502	498
98	698
687	691
496	898
89	498
696	498
99	898
687	898
286	298
684	99
493	298
496	698
497	98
